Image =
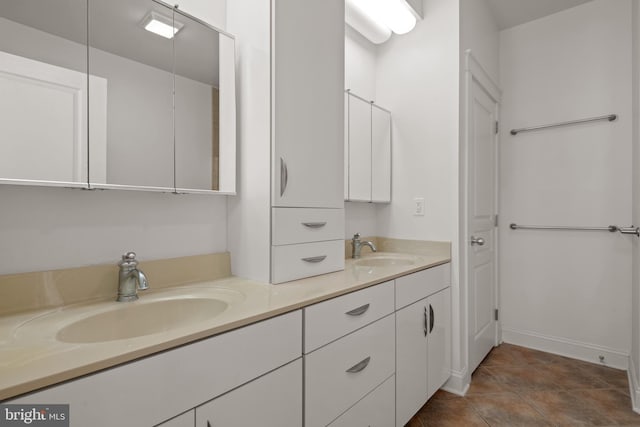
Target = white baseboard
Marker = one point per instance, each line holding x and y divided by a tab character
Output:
458	383
634	386
569	348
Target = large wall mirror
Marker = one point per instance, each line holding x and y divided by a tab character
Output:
115	94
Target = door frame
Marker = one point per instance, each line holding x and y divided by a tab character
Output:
475	72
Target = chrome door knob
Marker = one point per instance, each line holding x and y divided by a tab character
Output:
477	241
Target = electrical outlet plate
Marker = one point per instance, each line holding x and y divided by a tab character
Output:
418	206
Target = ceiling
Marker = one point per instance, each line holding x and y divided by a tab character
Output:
509	13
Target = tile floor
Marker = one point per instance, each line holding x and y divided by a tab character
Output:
515	386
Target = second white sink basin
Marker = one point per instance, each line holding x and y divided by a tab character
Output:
139	319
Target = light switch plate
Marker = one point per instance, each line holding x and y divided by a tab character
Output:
418	206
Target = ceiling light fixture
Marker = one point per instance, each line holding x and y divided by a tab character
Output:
161	25
375	19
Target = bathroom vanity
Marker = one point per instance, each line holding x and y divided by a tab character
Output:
344	341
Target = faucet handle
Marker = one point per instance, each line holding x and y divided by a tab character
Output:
356	236
128	260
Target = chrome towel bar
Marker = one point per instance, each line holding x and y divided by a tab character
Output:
610	117
609	228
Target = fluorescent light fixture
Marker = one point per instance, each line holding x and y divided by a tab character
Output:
359	21
161	25
383	16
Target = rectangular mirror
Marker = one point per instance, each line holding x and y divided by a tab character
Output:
131	137
95	95
367	151
204	107
44	92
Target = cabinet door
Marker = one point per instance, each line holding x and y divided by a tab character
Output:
439	340
411	360
380	155
359	143
274	400
188	419
308	105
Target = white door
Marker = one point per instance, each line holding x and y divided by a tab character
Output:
481	221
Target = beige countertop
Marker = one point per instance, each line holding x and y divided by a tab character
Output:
31	357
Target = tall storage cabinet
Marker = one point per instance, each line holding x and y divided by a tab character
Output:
307	104
307	134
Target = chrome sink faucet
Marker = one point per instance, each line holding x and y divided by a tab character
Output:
357	244
130	278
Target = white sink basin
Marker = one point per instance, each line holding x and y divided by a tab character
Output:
136	320
185	308
387	261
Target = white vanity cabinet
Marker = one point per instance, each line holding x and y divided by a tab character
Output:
307	87
423	338
349	352
274	400
307	136
157	388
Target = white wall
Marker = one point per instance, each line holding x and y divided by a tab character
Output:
418	80
248	213
567	292
50	228
635	283
360	76
479	32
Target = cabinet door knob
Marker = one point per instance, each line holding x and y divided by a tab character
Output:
358	311
359	366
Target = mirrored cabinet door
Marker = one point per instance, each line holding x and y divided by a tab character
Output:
43	92
204	107
359	149
380	154
368	151
131	132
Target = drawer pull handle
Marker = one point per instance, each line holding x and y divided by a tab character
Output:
314	224
208	423
358	311
359	366
315	258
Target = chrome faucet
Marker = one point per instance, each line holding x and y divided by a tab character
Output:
357	244
130	278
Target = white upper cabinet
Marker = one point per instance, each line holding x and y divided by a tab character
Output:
308	115
368	151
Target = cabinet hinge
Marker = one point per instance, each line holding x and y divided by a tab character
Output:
495	314
495	222
497	127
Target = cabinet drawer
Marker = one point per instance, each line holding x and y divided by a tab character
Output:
304	225
291	262
373	410
413	287
156	388
343	372
271	400
329	320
